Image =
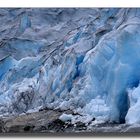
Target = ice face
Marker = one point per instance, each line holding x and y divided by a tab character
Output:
6	64
112	75
132	116
83	60
24	23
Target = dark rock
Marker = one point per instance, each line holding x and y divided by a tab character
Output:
28	128
56	125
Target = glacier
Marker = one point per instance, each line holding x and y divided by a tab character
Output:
82	59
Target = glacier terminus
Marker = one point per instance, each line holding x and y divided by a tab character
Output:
82	60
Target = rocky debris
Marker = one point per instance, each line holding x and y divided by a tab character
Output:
31	122
42	121
47	121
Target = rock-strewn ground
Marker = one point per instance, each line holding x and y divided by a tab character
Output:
42	121
47	121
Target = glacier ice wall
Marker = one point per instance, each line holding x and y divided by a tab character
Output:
79	59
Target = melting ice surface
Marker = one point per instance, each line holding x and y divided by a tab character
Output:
84	60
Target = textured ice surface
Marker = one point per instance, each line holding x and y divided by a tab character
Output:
133	116
84	60
65	117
